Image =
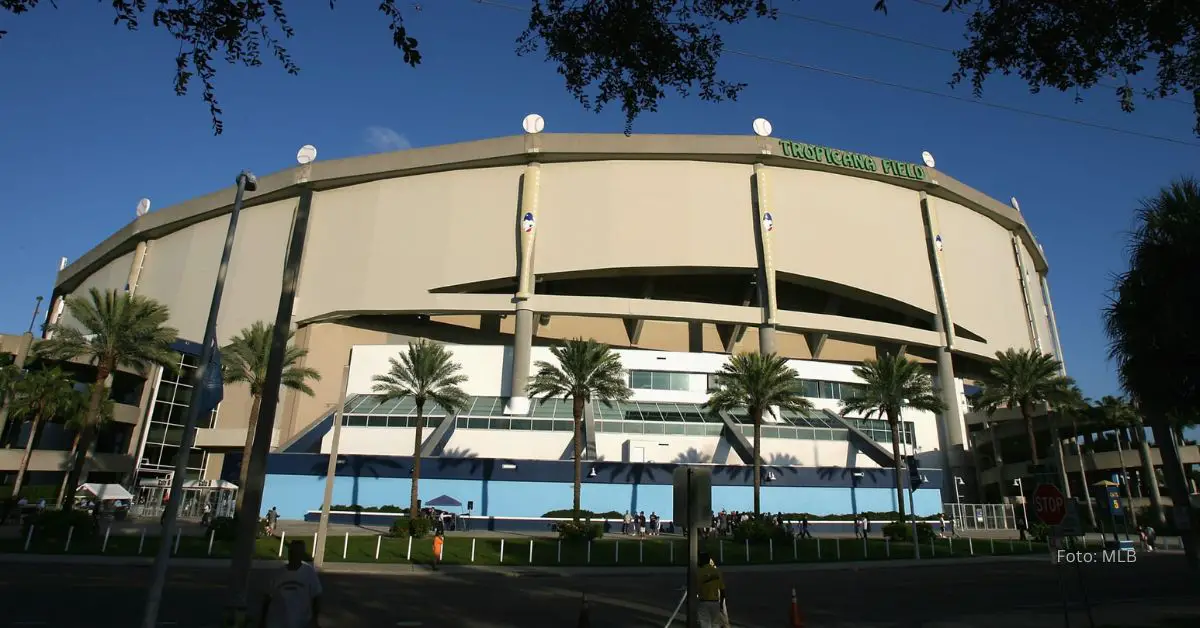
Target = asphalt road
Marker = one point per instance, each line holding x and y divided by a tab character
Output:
933	594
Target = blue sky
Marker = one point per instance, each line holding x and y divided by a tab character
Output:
92	125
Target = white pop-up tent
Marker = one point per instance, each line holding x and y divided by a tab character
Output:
105	492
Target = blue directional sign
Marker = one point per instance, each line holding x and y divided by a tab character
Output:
1113	497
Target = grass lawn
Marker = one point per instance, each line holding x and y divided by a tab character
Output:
611	551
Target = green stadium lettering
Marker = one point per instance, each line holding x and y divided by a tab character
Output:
853	161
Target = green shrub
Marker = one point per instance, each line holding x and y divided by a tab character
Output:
759	531
872	515
902	531
1039	531
583	514
416	528
55	524
357	508
225	528
580	531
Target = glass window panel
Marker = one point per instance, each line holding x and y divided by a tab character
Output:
183	395
693	429
654	428
356	420
461	422
386	407
827	391
770	432
477	423
806	433
166	391
632	427
377	421
811	388
639	379
544	409
674	428
713	429
395	421
196	459
839	434
611	413
711	383
542	425
521	424
681	381
500	424
660	380
650	413
671	413
564	426
368	405
788	432
152	453
168	455
632	413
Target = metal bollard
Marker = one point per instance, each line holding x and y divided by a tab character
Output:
212	536
771	550
795	552
141	541
178	535
993	544
721	551
104	546
818	548
837	544
887	547
559	558
345	546
29	539
408	553
971	545
747	550
502	550
472	550
617	553
865	546
530	551
283	541
641	553
589	552
671	546
70	533
378	542
950	543
932	548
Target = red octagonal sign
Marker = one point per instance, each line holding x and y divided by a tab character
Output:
1049	504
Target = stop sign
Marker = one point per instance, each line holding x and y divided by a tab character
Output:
1049	504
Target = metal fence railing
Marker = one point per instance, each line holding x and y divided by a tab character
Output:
982	516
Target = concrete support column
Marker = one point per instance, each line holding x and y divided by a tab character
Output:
527	213
518	402
695	337
1035	339
1058	352
135	269
764	227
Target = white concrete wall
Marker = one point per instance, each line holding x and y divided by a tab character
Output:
487	370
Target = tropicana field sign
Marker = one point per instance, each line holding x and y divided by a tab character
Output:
853	161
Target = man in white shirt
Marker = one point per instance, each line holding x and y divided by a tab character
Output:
293	599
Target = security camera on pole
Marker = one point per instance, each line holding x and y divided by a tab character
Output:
209	391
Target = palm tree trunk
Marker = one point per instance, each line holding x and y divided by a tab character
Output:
414	494
74	448
577	413
244	473
1027	414
87	436
1149	478
894	423
1177	485
1125	482
757	415
34	426
1083	480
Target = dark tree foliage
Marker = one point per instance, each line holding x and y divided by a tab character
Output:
635	51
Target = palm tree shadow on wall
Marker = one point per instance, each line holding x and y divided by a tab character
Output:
871	475
485	467
784	460
634	473
692	456
357	466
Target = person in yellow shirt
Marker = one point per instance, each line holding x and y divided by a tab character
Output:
711	592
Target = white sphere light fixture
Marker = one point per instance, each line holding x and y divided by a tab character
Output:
762	127
143	207
533	123
927	158
306	155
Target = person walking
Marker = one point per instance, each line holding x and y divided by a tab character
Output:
294	596
439	543
712	594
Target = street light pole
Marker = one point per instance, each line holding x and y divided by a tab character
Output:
331	470
245	182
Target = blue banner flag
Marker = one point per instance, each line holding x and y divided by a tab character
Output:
212	389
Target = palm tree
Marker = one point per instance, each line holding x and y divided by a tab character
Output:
244	361
760	383
1021	379
40	396
9	374
426	372
115	329
1116	414
75	414
585	370
1074	406
890	385
1151	325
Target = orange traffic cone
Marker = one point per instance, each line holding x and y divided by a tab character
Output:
585	614
797	618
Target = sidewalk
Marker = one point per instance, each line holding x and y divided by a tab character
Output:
409	569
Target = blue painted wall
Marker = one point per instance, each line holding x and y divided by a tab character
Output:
296	482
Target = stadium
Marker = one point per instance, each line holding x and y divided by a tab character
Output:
676	250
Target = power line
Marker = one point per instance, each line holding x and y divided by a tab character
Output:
901	86
963	99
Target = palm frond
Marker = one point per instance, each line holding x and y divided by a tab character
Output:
756	382
244	360
583	369
425	371
891	384
113	329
